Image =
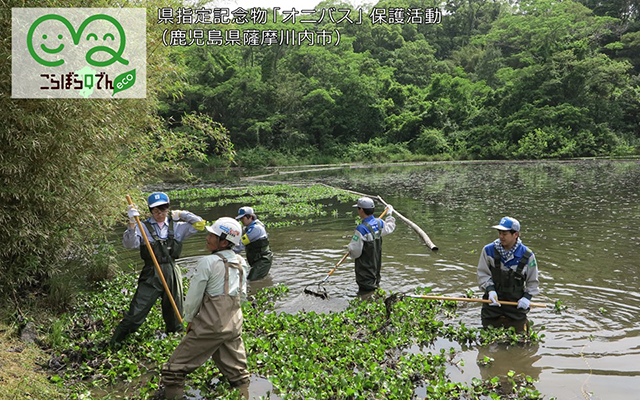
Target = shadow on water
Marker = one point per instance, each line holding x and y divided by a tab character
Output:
580	218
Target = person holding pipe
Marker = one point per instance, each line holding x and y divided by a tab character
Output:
255	241
165	236
213	314
366	245
507	270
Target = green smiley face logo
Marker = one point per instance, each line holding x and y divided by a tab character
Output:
52	46
52	51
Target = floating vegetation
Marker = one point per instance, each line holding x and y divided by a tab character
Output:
366	351
276	205
359	353
558	307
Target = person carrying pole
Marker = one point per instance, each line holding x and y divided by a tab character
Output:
255	241
507	270
366	245
165	237
213	314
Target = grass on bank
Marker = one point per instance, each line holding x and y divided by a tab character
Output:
22	374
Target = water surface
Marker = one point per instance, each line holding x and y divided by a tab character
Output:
580	218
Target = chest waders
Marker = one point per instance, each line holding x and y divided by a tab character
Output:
216	332
510	286
369	263
150	286
260	258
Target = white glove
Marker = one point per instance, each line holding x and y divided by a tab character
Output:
132	212
389	210
524	303
175	215
493	296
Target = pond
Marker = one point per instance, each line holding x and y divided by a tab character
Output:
581	219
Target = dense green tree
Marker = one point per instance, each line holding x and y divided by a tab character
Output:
554	80
625	10
482	83
414	63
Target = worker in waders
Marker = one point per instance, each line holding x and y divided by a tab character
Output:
213	315
366	245
166	236
507	270
255	241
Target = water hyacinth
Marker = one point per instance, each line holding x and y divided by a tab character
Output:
366	351
382	348
277	205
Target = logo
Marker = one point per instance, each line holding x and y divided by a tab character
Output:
78	53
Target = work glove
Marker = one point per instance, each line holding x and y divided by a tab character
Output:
199	225
524	303
175	215
493	296
389	210
132	212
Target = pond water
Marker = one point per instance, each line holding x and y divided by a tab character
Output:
580	218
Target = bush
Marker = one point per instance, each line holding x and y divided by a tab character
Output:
260	157
534	145
431	142
375	152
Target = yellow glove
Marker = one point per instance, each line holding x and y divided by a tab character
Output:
200	225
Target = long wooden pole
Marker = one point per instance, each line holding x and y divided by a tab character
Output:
415	227
406	220
155	263
347	254
509	303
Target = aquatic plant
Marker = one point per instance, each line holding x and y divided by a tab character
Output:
558	307
365	351
277	205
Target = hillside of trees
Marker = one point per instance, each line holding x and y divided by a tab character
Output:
493	79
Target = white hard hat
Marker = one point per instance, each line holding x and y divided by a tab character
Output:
243	211
226	228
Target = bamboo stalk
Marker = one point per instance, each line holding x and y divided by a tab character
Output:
444	298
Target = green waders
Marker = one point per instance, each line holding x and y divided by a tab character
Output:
216	332
510	286
369	264
150	287
260	258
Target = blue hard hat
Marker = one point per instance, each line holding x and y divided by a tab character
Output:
157	199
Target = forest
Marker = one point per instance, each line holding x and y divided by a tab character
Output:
486	80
